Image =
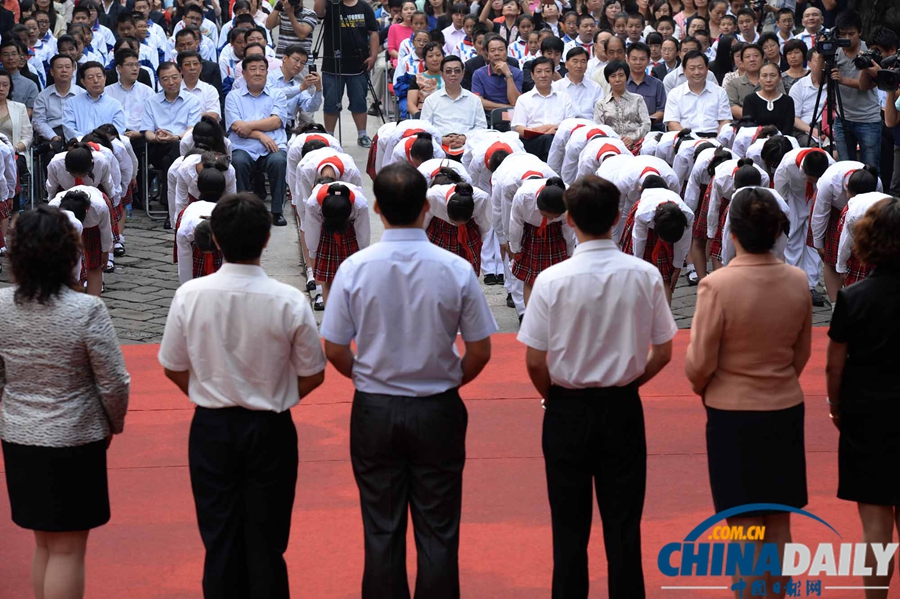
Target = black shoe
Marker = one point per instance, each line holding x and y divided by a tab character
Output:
110	266
311	285
167	225
278	220
500	280
319	304
118	250
490	279
817	300
373	111
509	301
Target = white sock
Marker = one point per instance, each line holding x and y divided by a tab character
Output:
309	274
318	290
112	256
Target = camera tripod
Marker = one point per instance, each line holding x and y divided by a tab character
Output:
337	43
832	100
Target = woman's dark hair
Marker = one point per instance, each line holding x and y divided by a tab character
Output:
429	9
497	159
615	66
593	204
76	202
683	136
654	182
203	237
208	135
43	249
747	174
461	204
864	180
875	239
767	132
215	161
336	208
311	146
211	184
109	130
241	223
446	176
698	149
400	193
98	137
432	46
310	128
720	156
724	62
550	199
756	219
669	222
5	73
774	150
814	164
79	159
422	148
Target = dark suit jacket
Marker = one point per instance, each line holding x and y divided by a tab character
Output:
528	80
112	76
212	75
660	72
7	22
476	63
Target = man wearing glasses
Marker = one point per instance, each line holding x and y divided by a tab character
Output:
131	93
453	111
167	116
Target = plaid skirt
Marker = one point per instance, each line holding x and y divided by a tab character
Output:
332	251
93	253
370	160
657	252
832	235
856	269
700	222
129	195
175	231
6	208
465	242
636	148
539	253
117	213
715	246
205	263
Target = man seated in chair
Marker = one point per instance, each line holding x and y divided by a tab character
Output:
454	111
496	83
255	117
167	117
539	112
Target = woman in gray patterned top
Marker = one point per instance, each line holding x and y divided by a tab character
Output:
64	394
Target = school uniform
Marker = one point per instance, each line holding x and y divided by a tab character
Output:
576	142
186	190
466	240
431	168
743	138
171	187
408	424
312	165
96	236
639	236
651	140
728	249
593	430
721	189
799	193
403	130
827	208
754	151
10	180
683	161
627	172
465	50
596	151
479	149
402	149
665	145
557	152
380	147
409	65
519	50
577	43
192	263
538	242
242	450
59	179
330	250
847	263
294	152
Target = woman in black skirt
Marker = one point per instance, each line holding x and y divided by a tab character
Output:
750	340
65	393
863	387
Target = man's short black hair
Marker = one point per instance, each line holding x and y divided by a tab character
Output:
91	64
61	57
122	55
400	193
542	60
638	47
241	223
849	19
165	66
552	44
593	204
577	51
884	38
747	12
296	49
124	17
192	8
495	38
451	58
182	56
191	30
751	47
695	54
248	60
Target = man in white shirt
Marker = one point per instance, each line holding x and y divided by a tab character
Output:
582	92
191	65
407	440
244	348
804	93
677	76
539	112
812	26
594	424
131	93
454	111
698	105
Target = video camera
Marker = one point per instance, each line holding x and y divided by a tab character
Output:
888	78
827	44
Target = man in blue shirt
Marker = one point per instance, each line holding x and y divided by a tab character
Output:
255	117
496	83
641	83
167	116
86	112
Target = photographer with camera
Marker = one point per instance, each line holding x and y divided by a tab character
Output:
295	25
883	71
862	113
348	59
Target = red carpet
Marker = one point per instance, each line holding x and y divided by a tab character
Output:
151	547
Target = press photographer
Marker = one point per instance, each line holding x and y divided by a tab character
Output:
882	70
295	25
862	113
347	59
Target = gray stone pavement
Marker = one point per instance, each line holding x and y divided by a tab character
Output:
139	292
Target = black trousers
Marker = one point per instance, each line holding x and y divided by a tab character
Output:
408	454
162	155
243	473
596	436
539	146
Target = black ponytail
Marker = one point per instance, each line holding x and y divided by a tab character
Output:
746	174
720	156
422	148
446	176
864	180
461	204
336	208
550	199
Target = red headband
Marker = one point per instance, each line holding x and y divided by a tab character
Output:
409	132
532	174
497	145
607	149
331	161
648	170
314	137
450	192
802	154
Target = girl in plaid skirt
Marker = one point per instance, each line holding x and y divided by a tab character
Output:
457	220
729	176
700	243
336	226
840	181
417	149
195	252
92	208
850	267
539	236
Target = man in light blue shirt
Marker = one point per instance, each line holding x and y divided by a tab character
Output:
86	112
407	440
303	94
167	116
255	117
51	102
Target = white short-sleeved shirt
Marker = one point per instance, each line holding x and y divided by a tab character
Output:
437	207
583	95
723	189
557	152
97	214
643	221
403	300
244	337
622	297
430	169
475	155
804	94
831	192
524	210
856	209
534	109
699	112
728	250
192	216
595	152
359	217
